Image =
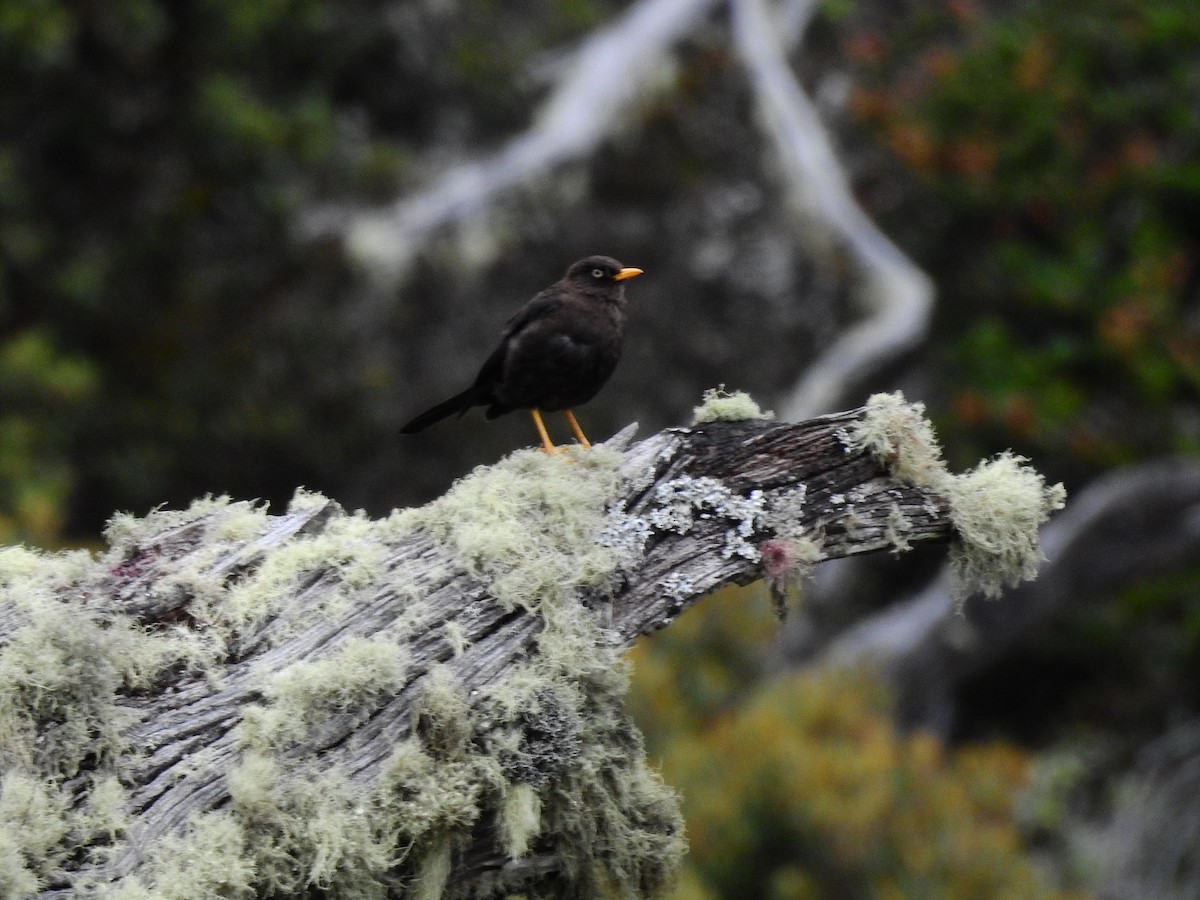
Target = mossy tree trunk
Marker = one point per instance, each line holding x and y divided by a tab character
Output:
231	703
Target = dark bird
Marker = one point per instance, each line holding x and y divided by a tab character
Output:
554	354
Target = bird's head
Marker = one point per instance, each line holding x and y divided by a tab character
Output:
600	272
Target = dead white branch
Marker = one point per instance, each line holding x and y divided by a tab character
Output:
597	95
895	294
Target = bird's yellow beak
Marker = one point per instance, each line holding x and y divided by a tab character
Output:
627	272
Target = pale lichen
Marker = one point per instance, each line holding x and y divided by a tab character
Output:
896	530
785	511
899	435
433	871
60	674
351	682
520	819
345	552
68	668
207	859
33	827
681	502
531	524
544	751
996	508
224	517
720	405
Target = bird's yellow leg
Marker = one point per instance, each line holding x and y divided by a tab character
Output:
547	444
587	445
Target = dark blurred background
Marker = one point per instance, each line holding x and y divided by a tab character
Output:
172	325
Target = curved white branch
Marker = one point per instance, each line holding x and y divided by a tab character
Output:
897	295
597	92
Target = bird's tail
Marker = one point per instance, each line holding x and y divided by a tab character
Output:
459	403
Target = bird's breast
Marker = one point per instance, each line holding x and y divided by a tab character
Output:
561	362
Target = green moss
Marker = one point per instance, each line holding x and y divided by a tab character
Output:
720	405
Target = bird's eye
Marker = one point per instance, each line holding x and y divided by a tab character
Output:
597	273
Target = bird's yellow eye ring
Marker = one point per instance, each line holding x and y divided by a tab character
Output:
597	273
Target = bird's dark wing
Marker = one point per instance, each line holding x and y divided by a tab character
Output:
543	304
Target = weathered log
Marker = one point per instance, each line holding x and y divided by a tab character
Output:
230	703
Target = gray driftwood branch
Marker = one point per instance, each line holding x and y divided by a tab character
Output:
895	295
231	703
600	80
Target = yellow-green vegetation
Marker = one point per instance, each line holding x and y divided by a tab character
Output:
804	789
538	529
43	392
546	751
64	664
996	508
530	524
62	670
204	861
720	405
357	677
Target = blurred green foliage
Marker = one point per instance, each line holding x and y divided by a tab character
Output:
1043	164
156	159
803	788
1050	157
154	154
42	394
1061	147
